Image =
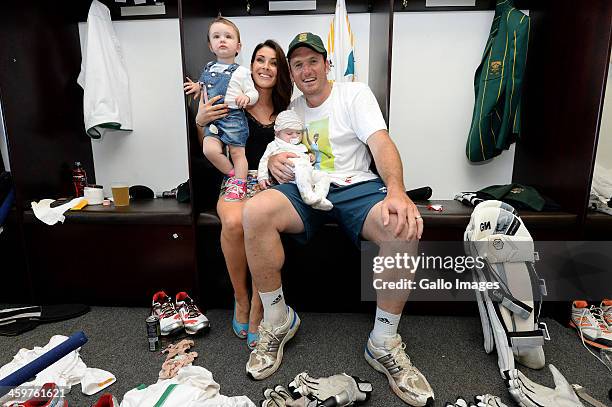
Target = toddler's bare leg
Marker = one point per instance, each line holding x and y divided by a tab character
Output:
241	166
213	150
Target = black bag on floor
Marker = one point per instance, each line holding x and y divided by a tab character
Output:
16	320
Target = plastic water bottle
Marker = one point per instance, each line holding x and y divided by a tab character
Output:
79	179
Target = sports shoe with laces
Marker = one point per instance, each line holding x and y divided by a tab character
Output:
236	190
606	308
267	356
163	307
404	378
107	400
50	396
589	321
193	319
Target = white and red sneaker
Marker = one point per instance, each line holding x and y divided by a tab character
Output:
169	320
107	400
589	321
50	396
193	319
606	308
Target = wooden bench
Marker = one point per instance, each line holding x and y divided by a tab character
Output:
598	226
332	259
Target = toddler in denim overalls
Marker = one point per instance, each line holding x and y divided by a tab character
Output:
234	83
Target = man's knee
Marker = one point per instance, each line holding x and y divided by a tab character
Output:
404	235
387	233
374	229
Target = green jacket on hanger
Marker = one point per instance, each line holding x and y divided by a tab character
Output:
496	120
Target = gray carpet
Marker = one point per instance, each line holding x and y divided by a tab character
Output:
448	350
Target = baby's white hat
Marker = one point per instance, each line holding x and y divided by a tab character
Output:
288	120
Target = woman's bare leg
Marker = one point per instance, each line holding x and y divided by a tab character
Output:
232	244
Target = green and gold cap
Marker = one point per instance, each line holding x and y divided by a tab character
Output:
309	40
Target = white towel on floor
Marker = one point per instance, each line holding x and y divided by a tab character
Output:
65	373
193	386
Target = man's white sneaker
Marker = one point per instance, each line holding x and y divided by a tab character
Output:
404	378
606	308
267	356
589	321
193	320
163	307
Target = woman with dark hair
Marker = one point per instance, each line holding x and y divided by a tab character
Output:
270	72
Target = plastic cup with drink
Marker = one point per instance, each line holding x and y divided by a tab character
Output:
121	194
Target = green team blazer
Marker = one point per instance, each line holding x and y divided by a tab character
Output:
496	121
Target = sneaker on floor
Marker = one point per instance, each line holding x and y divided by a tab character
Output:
163	307
589	321
193	320
404	378
107	400
606	308
50	396
267	356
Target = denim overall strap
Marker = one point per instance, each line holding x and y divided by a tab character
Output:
232	68
206	69
216	83
209	65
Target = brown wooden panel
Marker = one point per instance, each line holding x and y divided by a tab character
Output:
40	60
381	44
195	16
563	95
110	264
598	226
13	265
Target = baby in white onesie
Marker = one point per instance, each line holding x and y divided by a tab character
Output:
312	184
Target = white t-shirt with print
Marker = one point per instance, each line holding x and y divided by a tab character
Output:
338	129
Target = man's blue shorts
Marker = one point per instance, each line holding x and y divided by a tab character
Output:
352	203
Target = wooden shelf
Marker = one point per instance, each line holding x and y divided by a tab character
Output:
149	212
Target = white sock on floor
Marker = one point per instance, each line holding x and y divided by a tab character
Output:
275	309
385	326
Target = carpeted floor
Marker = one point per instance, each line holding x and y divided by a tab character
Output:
448	350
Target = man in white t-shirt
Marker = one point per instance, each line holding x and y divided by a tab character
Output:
346	120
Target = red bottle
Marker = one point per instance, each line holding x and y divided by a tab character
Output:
79	179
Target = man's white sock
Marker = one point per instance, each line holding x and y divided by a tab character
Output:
275	309
385	326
